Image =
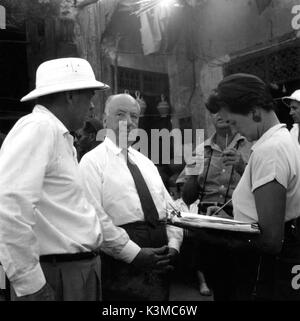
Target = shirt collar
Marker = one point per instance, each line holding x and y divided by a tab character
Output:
237	137
42	109
270	132
113	147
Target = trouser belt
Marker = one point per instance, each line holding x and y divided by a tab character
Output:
68	257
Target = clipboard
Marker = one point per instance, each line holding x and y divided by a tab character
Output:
198	221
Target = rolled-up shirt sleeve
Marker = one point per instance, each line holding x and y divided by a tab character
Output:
116	241
175	234
24	158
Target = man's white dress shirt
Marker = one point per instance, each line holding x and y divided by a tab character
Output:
43	208
109	185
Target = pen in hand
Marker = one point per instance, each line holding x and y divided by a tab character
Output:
220	208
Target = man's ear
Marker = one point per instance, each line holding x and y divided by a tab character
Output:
69	97
104	121
256	115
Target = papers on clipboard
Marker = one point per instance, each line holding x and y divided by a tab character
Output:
192	220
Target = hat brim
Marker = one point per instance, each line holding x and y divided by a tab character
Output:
38	92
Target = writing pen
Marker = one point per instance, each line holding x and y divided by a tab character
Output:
222	207
177	212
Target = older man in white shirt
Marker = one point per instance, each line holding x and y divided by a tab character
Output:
129	188
48	230
293	102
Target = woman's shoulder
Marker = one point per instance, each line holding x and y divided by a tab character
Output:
281	139
280	146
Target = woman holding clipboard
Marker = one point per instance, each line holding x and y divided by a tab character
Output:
268	192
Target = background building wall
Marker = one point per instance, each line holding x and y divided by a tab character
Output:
227	26
224	29
203	39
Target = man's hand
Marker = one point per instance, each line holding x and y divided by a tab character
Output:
173	255
211	210
232	157
157	259
195	165
46	293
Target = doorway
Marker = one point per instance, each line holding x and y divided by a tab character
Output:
13	77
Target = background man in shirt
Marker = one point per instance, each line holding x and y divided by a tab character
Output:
293	102
48	229
226	153
111	182
87	137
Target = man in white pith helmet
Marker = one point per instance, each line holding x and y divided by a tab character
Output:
293	102
49	232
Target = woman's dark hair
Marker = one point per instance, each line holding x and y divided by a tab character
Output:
240	93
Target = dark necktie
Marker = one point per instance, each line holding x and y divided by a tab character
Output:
148	206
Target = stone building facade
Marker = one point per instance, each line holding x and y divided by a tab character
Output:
204	40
